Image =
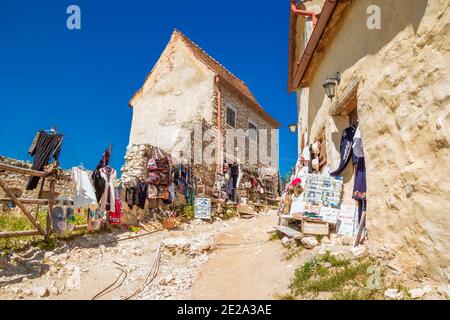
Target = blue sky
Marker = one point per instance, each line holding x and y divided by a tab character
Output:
81	80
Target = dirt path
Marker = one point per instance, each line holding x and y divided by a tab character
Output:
241	269
231	259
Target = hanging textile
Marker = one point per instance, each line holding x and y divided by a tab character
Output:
359	188
47	146
306	154
34	143
345	149
84	192
230	187
141	193
98	181
107	201
114	217
357	146
130	195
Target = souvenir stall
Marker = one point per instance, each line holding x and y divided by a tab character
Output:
163	184
98	193
94	199
312	202
246	184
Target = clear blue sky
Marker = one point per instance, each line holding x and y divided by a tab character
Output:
81	81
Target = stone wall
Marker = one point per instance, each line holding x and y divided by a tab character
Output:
403	106
17	183
245	115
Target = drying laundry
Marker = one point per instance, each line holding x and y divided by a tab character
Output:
107	201
47	146
84	193
345	149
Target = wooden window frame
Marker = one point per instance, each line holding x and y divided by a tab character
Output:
235	116
256	129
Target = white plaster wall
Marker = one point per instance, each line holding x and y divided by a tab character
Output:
178	93
404	111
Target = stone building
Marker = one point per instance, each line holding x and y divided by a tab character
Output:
394	63
188	88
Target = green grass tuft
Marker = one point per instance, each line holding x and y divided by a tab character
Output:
344	279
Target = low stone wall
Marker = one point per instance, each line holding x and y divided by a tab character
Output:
17	183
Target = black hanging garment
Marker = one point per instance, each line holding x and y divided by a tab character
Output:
130	195
234	173
99	184
47	146
346	150
141	194
98	181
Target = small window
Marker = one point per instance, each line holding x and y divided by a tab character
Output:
231	117
252	131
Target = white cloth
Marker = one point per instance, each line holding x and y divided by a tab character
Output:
303	174
239	177
109	188
297	204
84	193
306	154
357	144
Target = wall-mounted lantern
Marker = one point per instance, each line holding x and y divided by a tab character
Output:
293	128
331	84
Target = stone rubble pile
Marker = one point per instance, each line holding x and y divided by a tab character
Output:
192	247
135	167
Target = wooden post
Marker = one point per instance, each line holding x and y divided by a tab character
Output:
15	234
39	196
362	223
42	202
28	172
51	203
22	207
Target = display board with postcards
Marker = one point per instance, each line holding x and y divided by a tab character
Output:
322	197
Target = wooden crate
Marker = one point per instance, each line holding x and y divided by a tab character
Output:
315	228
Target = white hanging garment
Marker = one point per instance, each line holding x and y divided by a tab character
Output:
306	154
84	194
357	144
239	176
303	174
297	204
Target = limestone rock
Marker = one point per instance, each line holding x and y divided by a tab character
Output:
309	242
41	292
3	262
167	279
359	251
176	244
74	280
444	291
136	252
48	255
15	290
27	292
201	247
285	241
418	293
393	294
53	290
